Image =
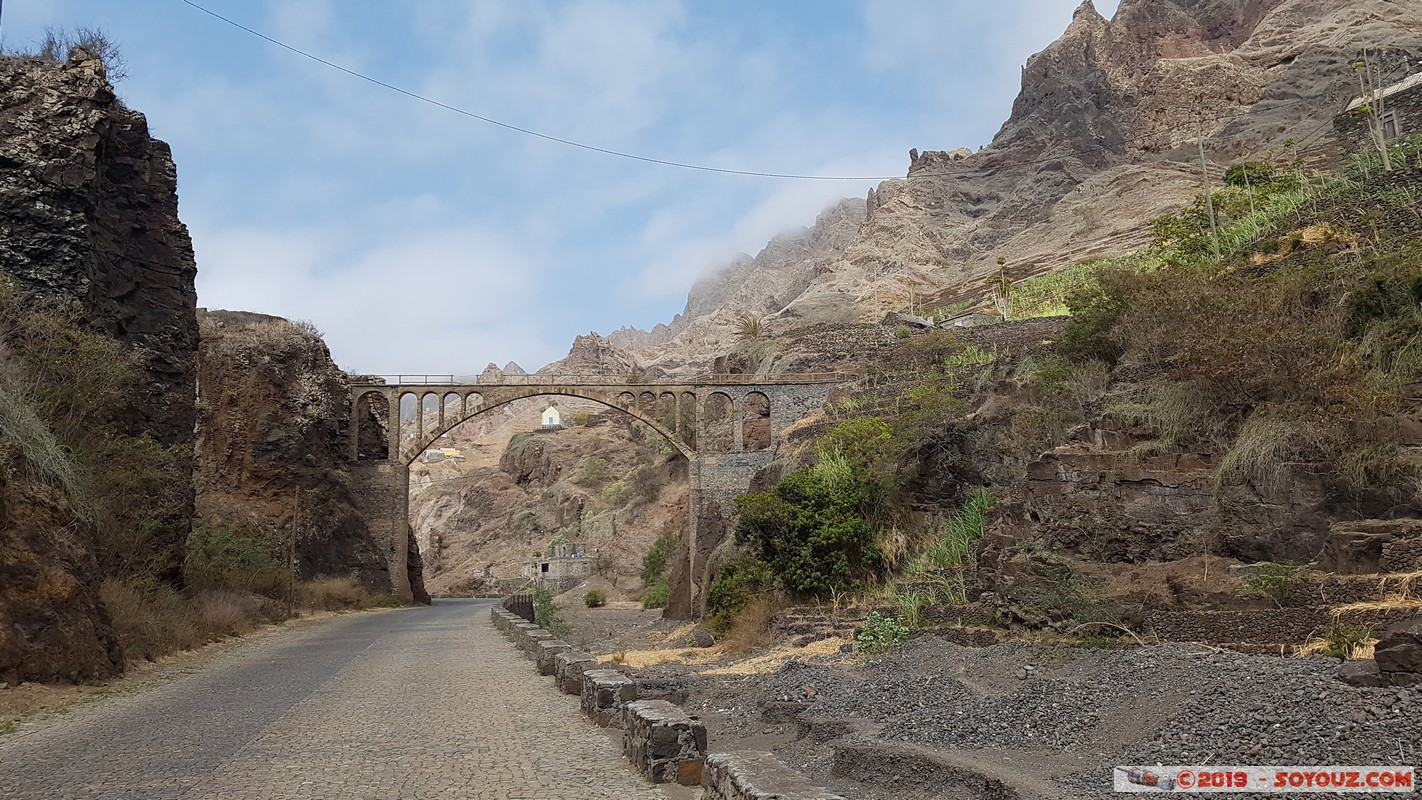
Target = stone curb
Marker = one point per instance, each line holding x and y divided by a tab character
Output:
753	775
605	693
662	741
547	651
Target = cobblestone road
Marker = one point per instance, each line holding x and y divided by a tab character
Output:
418	703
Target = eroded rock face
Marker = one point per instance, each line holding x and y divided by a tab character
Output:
594	355
1399	648
1100	140
273	451
89	225
52	625
89	222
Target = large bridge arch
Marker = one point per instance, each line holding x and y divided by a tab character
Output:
421	446
676	409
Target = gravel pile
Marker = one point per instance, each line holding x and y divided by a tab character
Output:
1167	704
1252	710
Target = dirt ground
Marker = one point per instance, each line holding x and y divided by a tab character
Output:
1020	719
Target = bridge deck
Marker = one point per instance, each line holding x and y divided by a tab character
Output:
430	381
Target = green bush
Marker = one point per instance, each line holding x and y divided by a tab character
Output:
879	634
1096	308
657	595
1279	581
218	558
1253	174
595	598
654	563
596	471
736	584
814	530
545	615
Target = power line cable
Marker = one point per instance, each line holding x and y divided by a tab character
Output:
1046	159
1052	155
519	129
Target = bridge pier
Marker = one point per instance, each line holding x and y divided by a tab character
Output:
382	494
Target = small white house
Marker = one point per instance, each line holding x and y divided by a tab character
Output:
551	418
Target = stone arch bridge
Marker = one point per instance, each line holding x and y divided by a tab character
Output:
726	426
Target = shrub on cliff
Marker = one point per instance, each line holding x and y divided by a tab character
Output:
62	386
657	595
737	583
654	563
219	558
58	42
1303	334
814	529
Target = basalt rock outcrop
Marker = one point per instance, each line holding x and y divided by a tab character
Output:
273	455
89	227
89	218
52	625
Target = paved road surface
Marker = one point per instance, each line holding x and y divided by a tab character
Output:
418	703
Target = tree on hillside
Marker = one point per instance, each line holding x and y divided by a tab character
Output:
1002	290
1369	68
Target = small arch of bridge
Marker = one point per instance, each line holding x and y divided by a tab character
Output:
424	439
719	419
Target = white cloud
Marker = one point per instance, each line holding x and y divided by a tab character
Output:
421	240
428	300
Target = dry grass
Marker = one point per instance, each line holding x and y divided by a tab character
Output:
638	659
751	628
1263	449
223	614
153	620
756	665
1317	646
769	662
816	418
1405	583
331	594
1396	602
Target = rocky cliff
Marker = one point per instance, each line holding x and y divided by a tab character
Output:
1101	138
89	233
273	451
89	220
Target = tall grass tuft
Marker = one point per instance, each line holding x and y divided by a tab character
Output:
1269	440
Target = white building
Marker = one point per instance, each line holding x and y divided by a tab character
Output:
551	418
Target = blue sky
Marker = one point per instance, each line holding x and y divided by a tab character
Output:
423	241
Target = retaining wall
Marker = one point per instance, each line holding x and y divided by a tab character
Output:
660	739
663	742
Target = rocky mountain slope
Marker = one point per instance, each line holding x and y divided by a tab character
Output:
1101	139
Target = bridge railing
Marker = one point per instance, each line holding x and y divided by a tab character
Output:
604	380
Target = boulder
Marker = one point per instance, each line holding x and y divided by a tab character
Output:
1360	672
894	318
1359	546
1399	648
